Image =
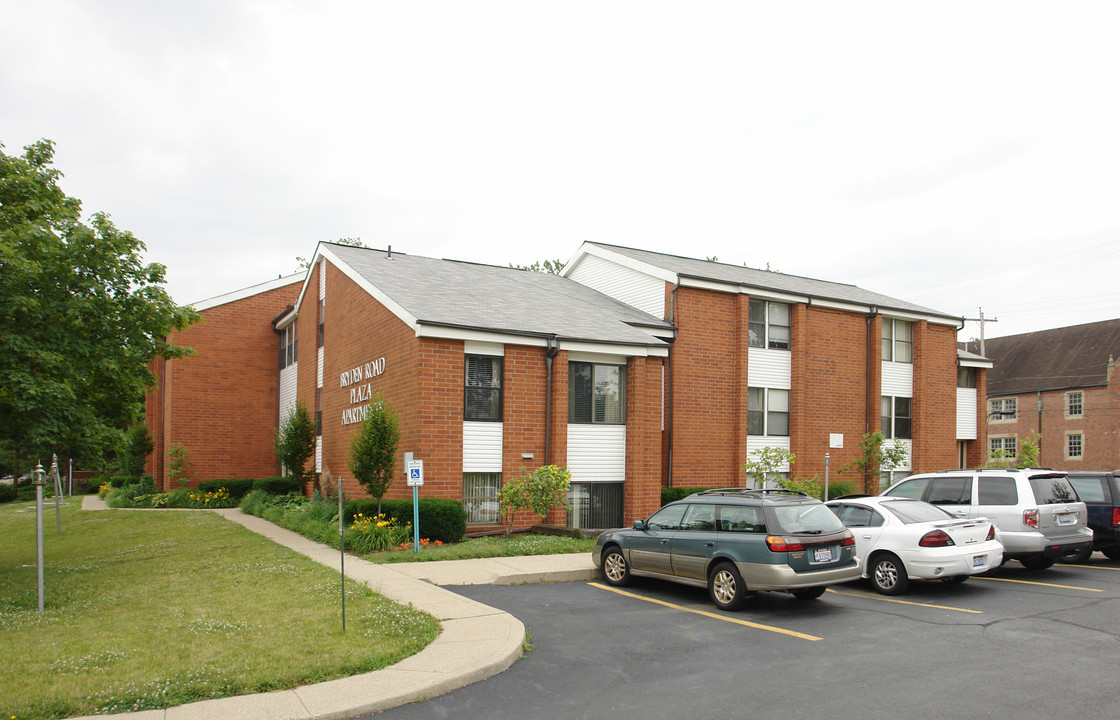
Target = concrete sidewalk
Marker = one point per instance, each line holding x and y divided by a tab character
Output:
477	641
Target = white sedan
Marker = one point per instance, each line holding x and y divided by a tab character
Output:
900	538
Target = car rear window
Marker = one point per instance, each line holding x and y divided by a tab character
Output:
1052	489
916	512
1090	489
997	491
813	519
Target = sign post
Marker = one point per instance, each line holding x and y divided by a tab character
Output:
415	469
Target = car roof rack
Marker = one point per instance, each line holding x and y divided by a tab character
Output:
750	492
995	469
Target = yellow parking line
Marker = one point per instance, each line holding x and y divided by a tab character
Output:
1041	584
1091	567
905	602
705	613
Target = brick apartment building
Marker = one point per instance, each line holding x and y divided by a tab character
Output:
634	369
1060	385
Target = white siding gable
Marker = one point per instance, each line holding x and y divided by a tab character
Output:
628	285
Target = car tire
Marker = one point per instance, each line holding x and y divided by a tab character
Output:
726	587
955	579
616	571
808	593
1036	563
888	575
1077	556
1112	553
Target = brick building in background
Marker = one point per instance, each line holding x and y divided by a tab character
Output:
634	369
1061	385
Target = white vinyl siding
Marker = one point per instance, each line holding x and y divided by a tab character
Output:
597	453
627	285
482	447
759	442
287	392
909	445
769	368
966	413
898	379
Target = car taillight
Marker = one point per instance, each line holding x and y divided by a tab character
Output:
1030	518
1116	517
935	538
991	533
848	540
777	543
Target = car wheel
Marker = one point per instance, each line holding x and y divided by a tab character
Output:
955	580
808	593
1112	553
1036	563
888	575
726	587
616	571
1077	556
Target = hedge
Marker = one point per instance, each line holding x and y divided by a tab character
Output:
672	494
440	519
8	493
240	487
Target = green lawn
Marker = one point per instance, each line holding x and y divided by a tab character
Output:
495	546
152	609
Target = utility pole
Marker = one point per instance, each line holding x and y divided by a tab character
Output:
982	320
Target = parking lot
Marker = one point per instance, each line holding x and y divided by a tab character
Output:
1013	643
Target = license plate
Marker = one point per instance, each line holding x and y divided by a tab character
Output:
1067	518
822	555
978	561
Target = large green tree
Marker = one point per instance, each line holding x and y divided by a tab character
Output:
81	317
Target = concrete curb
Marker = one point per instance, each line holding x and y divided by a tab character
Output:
476	642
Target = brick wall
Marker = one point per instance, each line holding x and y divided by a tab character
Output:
935	398
221	403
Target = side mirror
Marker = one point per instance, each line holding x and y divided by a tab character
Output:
639	524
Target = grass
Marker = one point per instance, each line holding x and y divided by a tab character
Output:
149	610
494	546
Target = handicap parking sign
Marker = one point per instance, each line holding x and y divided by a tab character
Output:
415	469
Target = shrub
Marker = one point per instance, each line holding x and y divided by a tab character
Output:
440	519
279	485
119	481
8	493
377	533
672	494
236	488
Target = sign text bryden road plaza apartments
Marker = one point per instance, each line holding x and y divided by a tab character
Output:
363	393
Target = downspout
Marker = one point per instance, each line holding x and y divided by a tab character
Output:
669	379
550	353
872	312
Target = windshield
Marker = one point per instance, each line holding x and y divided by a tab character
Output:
811	519
915	511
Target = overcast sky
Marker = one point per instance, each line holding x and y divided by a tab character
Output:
956	155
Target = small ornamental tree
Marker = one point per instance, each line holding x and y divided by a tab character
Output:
539	491
135	450
179	464
295	442
764	467
373	451
878	456
1027	456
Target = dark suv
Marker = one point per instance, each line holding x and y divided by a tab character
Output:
1100	491
735	542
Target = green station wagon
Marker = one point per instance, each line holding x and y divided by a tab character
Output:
735	542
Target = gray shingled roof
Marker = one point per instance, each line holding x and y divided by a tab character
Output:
767	280
499	299
1069	357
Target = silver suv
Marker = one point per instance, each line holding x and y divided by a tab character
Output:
1036	511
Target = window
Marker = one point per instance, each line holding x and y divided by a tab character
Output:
482	399
898	341
910	489
767	412
322	309
700	517
769	325
896	418
741	519
480	497
596	505
1073	404
858	516
1003	447
997	491
1073	446
950	491
596	393
966	377
287	346
1002	410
